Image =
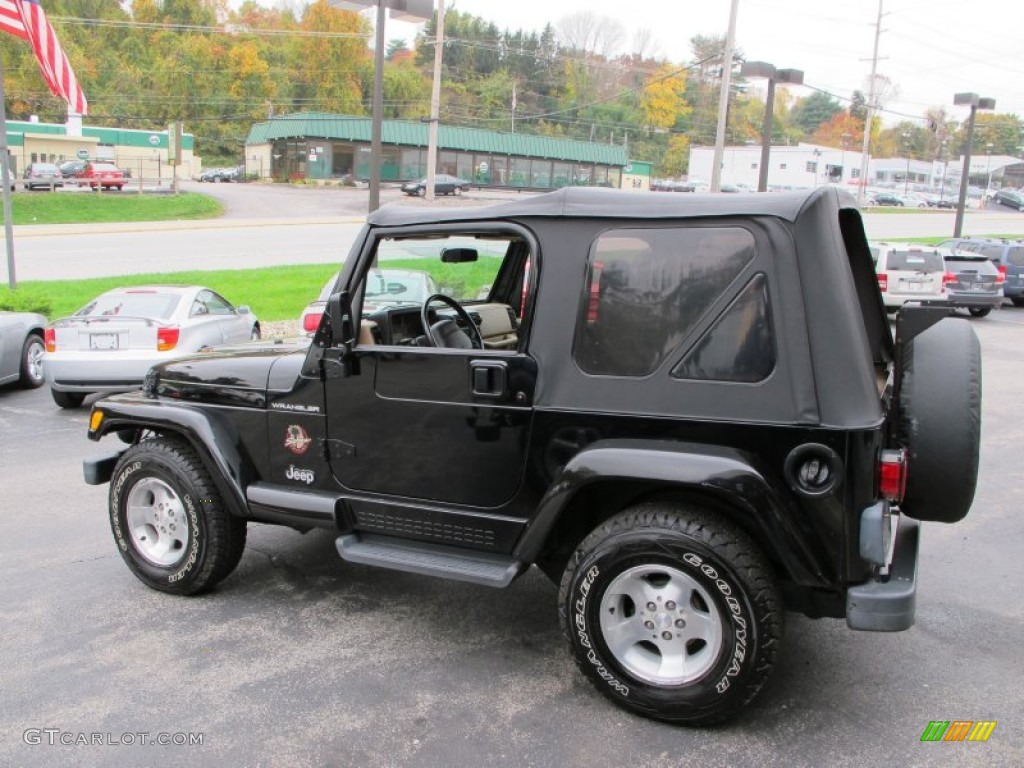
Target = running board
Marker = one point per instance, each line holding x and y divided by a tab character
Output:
484	568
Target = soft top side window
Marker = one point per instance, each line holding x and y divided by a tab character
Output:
646	289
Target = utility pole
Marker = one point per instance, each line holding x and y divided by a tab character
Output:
435	103
723	99
870	117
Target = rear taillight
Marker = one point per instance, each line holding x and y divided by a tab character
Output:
50	339
948	279
883	282
311	322
167	338
1001	277
892	475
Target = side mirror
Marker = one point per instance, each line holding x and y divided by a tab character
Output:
459	255
243	309
340	330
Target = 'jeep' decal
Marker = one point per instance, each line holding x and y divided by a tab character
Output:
306	476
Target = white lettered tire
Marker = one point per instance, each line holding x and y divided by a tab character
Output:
672	613
169	521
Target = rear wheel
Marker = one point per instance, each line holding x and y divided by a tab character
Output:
1018	301
979	311
169	520
672	613
67	399
32	363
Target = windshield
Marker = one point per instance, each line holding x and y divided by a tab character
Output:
137	304
396	287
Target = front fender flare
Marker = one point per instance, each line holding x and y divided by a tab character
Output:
207	432
724	474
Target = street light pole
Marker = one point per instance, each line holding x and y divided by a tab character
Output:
723	99
791	76
906	148
988	169
975	103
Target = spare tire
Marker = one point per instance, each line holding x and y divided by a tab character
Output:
940	420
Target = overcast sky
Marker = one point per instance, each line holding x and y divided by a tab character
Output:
930	49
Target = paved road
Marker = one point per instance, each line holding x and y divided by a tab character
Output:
301	659
266	225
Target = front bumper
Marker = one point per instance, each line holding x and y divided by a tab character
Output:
889	605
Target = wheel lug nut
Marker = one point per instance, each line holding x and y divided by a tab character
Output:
666	635
652	607
649	624
680	623
670	605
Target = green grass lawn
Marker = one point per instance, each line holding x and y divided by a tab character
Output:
104	207
273	293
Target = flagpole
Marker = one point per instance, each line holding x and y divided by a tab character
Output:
5	177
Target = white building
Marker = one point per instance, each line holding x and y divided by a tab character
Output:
791	167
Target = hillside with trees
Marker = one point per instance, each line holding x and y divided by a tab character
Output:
145	63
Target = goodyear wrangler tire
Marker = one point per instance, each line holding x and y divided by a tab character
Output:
940	420
169	521
672	613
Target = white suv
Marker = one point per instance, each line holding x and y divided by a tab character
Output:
908	272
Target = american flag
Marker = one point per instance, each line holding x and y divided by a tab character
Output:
25	18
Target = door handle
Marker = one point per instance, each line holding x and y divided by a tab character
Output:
489	378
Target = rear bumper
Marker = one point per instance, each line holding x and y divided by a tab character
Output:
83	372
975	300
889	605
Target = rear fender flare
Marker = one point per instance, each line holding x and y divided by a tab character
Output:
723	474
212	437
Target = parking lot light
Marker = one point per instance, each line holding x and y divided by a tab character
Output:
975	102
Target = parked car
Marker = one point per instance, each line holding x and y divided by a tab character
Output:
110	343
102	176
209	173
909	273
384	288
1009	197
72	169
21	348
694	420
443	185
218	175
1006	255
972	281
898	200
940	201
42	176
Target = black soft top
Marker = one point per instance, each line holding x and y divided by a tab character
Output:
581	202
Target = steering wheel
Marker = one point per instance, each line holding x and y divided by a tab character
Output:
446	332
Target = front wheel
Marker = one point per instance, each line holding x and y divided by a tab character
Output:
31	375
979	311
169	520
672	612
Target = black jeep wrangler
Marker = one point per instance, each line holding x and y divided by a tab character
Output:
689	412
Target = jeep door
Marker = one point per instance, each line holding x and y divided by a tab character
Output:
426	420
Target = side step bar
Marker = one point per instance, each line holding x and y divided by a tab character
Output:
484	568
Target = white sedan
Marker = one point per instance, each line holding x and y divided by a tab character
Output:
110	344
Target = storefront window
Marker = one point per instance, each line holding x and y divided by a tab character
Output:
414	164
499	170
615	177
464	166
446	163
541	173
520	172
482	169
560	175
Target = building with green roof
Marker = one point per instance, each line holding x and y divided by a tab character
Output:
312	145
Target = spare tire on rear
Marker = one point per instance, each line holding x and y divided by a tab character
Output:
940	420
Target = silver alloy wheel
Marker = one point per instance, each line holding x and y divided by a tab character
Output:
34	360
661	625
157	522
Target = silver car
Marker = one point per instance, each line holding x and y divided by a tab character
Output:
110	344
21	348
384	288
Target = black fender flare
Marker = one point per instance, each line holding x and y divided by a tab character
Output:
207	433
715	472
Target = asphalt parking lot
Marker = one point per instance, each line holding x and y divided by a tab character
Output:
299	658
